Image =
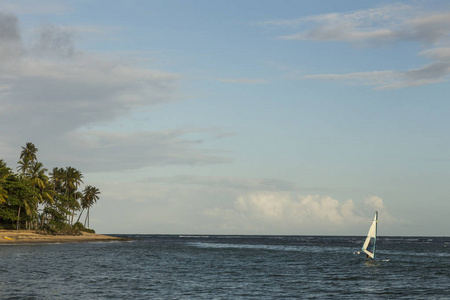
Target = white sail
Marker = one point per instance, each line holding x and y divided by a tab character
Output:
369	244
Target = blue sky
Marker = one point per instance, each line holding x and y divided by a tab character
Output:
236	117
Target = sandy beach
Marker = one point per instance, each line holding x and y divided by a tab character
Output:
30	236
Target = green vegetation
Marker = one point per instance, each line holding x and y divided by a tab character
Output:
31	199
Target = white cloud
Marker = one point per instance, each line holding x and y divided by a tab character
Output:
380	26
388	14
427	29
377	78
55	81
375	26
113	151
376	203
51	93
288	213
435	72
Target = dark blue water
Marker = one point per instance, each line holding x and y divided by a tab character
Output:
227	267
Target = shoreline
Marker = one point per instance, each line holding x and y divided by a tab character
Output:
30	236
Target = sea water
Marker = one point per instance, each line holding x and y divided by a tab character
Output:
227	267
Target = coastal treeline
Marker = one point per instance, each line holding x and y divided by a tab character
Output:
34	198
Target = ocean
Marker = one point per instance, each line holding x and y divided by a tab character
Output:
227	267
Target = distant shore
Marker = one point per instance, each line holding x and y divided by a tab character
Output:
30	236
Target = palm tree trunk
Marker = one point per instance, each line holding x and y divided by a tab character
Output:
44	216
87	218
80	216
18	218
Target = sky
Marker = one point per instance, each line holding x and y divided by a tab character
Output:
237	117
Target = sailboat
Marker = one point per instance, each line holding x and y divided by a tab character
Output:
369	244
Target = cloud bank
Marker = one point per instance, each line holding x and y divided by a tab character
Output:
291	212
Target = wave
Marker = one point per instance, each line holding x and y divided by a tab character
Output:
287	248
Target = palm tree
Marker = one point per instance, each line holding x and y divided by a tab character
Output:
57	180
29	152
29	204
37	175
84	204
41	183
24	166
27	159
90	197
78	178
72	179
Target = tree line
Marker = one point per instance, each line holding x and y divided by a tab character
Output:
32	198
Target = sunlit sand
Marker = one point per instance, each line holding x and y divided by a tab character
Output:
30	236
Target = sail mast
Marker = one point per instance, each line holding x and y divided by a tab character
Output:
375	238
